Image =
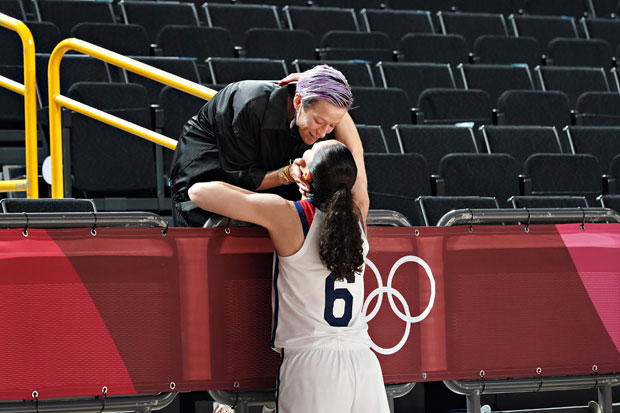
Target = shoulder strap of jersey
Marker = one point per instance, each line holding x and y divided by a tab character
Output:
306	210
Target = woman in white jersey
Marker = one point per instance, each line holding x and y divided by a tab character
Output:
318	328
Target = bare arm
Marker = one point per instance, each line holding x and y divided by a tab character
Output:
346	132
271	179
271	211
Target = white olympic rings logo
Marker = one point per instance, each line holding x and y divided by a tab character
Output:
391	292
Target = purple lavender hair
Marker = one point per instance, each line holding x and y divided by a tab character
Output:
324	82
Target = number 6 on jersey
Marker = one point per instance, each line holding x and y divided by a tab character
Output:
333	294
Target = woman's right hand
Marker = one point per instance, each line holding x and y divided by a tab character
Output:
297	175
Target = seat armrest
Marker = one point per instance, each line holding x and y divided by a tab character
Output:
609	184
438	185
525	185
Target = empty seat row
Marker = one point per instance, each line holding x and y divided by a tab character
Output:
396	180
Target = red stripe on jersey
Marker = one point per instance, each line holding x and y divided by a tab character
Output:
309	210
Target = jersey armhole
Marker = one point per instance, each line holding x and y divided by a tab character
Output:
306	210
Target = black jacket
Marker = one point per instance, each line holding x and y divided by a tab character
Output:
238	136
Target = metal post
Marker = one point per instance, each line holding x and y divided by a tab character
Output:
473	402
605	398
242	407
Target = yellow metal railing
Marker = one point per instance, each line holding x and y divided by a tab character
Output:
28	90
56	100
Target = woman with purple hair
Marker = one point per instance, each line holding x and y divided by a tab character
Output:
252	134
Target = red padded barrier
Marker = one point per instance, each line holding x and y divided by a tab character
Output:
133	310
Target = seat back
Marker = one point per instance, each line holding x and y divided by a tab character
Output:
358	73
493	175
395	181
434	48
66	14
154	15
435	141
496	79
543	28
105	161
238	18
534	107
492	49
472	25
549	176
227	70
397	23
572	80
127	39
414	78
320	20
449	106
521	141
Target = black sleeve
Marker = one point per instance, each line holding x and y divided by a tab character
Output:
239	144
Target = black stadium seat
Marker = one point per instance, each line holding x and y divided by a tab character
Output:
521	141
320	20
185	68
358	73
472	25
127	39
16	205
105	162
291	44
572	8
238	18
73	68
504	7
373	138
549	176
580	52
493	175
226	70
397	23
451	106
45	35
573	80
490	49
380	106
395	181
435	141
543	28
598	108
434	48
534	107
414	78
605	29
154	15
496	79
601	142
430	5
68	13
13	8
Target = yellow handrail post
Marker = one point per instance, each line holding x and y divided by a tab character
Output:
28	90
56	100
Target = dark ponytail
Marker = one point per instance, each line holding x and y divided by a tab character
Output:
341	245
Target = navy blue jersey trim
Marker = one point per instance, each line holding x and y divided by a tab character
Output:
276	273
278	379
302	217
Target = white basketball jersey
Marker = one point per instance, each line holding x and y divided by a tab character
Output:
310	308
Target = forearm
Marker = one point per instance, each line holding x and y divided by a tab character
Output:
275	178
346	132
